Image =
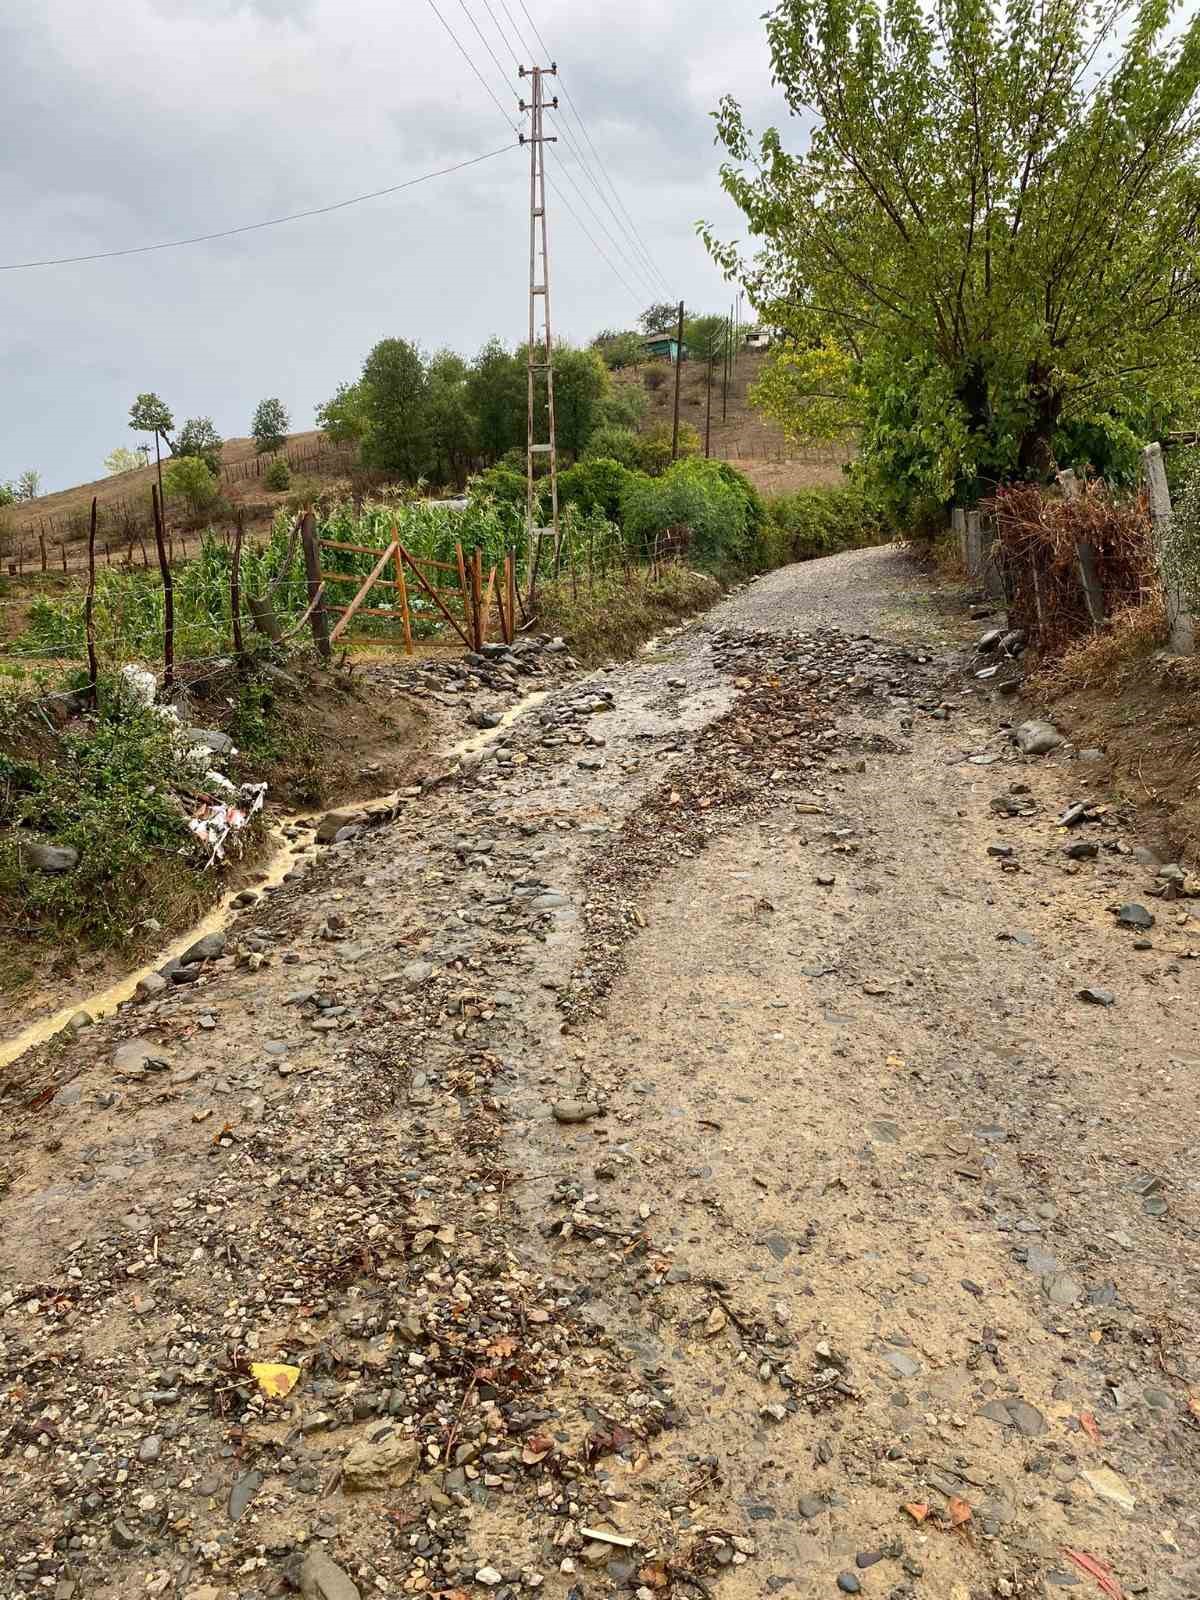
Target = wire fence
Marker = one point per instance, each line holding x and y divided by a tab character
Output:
39	543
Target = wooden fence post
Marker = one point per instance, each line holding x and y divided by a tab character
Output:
89	609
62	549
1182	627
235	593
42	548
402	591
164	566
510	576
477	597
312	569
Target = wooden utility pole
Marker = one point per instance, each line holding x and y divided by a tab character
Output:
678	366
540	355
726	366
168	583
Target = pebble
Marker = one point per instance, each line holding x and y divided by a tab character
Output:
848	1583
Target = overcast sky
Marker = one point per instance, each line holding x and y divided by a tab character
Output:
136	121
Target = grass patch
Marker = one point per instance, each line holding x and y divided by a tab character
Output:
609	619
113	788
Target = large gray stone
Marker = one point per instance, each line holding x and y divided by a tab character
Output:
208	948
212	739
323	1579
49	857
1037	738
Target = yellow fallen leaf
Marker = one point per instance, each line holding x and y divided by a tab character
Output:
274	1378
895	1061
917	1510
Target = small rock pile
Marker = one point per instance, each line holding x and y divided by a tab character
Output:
787	727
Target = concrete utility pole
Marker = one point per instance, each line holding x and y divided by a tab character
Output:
678	366
541	351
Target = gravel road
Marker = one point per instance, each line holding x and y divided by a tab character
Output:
671	1157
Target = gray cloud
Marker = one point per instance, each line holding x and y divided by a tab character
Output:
145	120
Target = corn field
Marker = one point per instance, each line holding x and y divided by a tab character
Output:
129	604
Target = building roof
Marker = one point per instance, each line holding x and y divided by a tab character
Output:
659	338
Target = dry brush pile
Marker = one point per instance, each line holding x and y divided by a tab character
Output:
1040	537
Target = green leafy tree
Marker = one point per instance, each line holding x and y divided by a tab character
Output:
496	394
344	418
609	443
396	389
191	478
581	382
150	414
198	437
619	348
659	317
124	460
270	426
28	485
704	338
7	494
979	206
278	475
452	430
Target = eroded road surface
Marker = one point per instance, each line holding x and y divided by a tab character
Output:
671	1158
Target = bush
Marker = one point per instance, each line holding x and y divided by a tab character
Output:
654	446
656	376
109	798
820	522
612	443
710	498
623	406
502	483
190	478
594	485
278	475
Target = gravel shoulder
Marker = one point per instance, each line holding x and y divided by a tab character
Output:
670	1156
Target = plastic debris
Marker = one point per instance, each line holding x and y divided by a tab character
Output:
215	822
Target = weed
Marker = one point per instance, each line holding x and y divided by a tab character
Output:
106	792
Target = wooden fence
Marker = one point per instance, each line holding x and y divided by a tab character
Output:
467	604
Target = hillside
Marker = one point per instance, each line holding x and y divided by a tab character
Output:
738	435
751	442
123	501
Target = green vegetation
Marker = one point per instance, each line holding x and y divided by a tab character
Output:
149	414
983	256
192	479
122	460
106	792
198	437
278	475
270	425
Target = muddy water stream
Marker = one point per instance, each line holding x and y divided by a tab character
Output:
286	849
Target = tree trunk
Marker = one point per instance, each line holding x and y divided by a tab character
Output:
1035	454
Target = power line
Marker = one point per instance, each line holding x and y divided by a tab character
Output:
598	248
252	227
583	129
630	260
483	41
467	58
628	251
470	62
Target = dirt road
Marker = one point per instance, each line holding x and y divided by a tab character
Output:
671	1158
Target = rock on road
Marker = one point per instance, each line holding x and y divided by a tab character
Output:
671	1157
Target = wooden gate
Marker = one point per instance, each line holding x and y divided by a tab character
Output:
457	590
